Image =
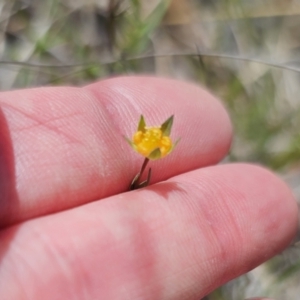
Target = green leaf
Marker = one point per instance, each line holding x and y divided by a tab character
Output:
138	35
167	126
155	154
142	124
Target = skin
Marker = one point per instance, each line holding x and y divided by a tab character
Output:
70	229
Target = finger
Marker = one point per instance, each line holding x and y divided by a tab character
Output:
62	147
177	239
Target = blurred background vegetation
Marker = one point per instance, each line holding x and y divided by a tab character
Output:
246	51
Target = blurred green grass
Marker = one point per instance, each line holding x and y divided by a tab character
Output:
230	47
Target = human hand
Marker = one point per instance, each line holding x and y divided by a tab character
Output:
71	230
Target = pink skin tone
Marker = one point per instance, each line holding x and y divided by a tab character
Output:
71	230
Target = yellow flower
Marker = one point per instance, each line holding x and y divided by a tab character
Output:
153	142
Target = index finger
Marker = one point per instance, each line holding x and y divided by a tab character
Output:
61	147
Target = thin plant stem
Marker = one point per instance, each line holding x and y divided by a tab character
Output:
135	182
144	165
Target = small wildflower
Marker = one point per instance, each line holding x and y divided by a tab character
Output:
152	143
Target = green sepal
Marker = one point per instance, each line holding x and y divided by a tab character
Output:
142	124
167	126
155	154
174	145
132	145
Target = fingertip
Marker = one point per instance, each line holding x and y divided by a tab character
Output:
280	213
267	201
